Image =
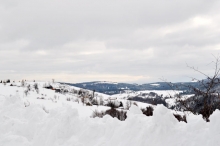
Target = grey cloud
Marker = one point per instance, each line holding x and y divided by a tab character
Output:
135	38
54	23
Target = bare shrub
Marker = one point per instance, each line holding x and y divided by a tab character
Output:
76	100
111	104
148	111
75	91
29	87
88	104
121	115
206	97
101	101
83	99
94	101
68	99
128	105
36	88
26	92
98	114
180	118
134	103
154	101
22	83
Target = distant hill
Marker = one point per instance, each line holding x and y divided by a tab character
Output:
111	88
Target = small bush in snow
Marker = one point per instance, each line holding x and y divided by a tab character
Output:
101	101
68	99
26	92
98	114
111	104
22	83
128	105
36	88
76	100
180	118
29	87
154	101
120	115
206	97
88	104
134	103
148	111
94	101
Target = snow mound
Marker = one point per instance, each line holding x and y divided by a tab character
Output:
32	126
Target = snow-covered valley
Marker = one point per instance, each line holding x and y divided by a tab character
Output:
49	118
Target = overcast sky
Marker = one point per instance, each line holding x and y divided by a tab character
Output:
135	41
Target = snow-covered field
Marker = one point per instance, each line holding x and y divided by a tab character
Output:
58	122
164	93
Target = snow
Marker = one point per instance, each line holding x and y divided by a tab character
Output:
165	93
172	101
155	84
106	82
69	124
162	92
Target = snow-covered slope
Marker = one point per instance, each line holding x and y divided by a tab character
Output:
46	98
47	122
162	93
49	99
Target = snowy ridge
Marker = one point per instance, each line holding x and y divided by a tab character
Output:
106	82
112	88
155	84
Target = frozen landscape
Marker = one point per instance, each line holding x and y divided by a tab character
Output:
109	73
47	118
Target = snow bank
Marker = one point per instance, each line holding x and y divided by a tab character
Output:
32	126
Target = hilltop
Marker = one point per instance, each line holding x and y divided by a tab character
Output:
112	88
